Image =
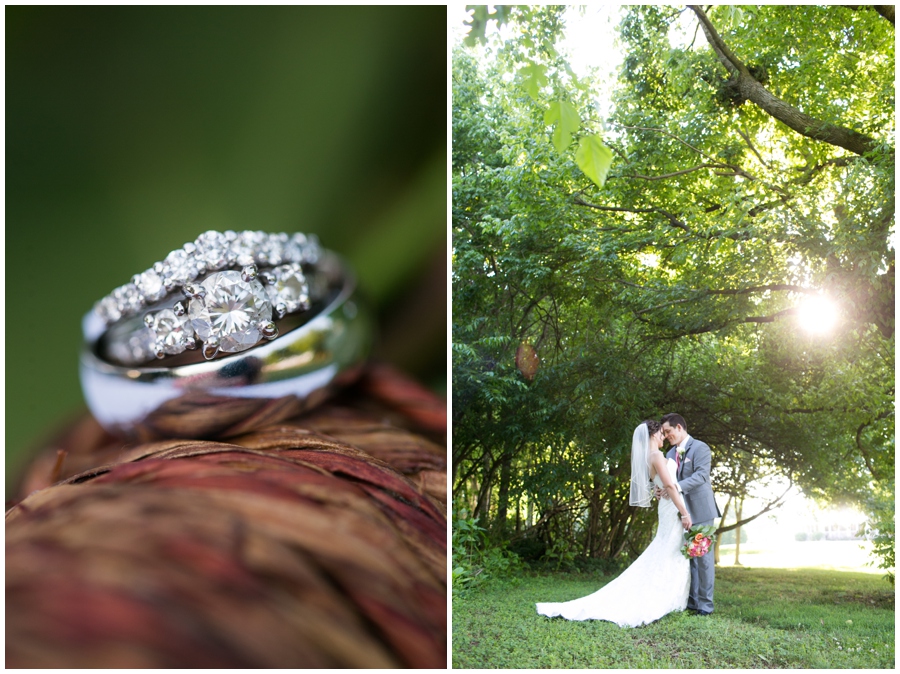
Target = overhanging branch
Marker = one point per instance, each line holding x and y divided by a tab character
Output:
777	503
706	292
751	89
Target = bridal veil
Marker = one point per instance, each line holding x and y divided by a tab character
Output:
640	467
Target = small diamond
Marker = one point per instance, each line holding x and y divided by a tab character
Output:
247	246
290	291
150	285
293	249
137	348
179	268
173	332
141	346
108	309
311	250
231	312
272	249
213	250
128	299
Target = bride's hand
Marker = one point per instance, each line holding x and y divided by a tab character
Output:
686	522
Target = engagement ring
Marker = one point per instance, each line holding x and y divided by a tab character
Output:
233	315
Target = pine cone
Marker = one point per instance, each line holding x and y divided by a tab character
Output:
314	542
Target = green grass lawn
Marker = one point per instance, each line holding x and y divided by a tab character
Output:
764	618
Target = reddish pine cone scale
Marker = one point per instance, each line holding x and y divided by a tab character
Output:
285	547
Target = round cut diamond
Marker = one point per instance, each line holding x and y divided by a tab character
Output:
246	247
139	347
272	249
173	332
289	292
311	250
108	309
128	299
232	312
213	250
150	284
179	268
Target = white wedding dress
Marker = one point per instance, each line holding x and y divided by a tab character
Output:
657	583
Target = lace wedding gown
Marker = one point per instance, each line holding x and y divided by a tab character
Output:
657	583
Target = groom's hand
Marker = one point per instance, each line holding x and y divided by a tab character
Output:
660	493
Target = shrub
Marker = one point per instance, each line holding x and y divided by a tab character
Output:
880	508
474	558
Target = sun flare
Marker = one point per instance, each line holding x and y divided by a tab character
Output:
817	314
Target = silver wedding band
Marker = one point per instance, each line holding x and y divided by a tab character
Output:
315	351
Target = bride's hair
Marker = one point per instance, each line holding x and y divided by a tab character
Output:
652	426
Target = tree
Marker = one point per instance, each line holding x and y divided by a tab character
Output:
675	283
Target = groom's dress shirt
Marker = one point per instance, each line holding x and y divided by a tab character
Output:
681	445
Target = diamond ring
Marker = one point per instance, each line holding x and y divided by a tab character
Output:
232	316
210	294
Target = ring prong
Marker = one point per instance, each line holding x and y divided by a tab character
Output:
148	320
267	278
179	309
194	291
210	349
280	309
269	330
249	273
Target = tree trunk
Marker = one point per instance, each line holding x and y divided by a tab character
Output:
721	523
518	515
503	495
738	509
529	514
593	520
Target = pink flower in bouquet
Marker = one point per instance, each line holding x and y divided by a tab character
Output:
698	541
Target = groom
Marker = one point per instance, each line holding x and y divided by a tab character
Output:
693	460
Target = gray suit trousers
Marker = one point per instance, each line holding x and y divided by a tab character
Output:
703	577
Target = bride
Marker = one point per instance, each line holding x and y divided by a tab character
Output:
658	582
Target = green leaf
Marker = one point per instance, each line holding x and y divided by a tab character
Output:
534	77
594	159
477	25
567	122
551	114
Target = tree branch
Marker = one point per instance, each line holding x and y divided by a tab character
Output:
705	292
674	221
750	89
713	327
777	503
672	175
886	11
670	135
751	146
859	444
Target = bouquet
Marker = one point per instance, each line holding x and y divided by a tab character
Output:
698	541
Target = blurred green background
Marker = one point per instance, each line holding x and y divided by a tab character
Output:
130	131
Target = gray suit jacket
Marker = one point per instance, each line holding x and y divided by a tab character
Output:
693	478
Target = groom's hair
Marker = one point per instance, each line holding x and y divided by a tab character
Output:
674	419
